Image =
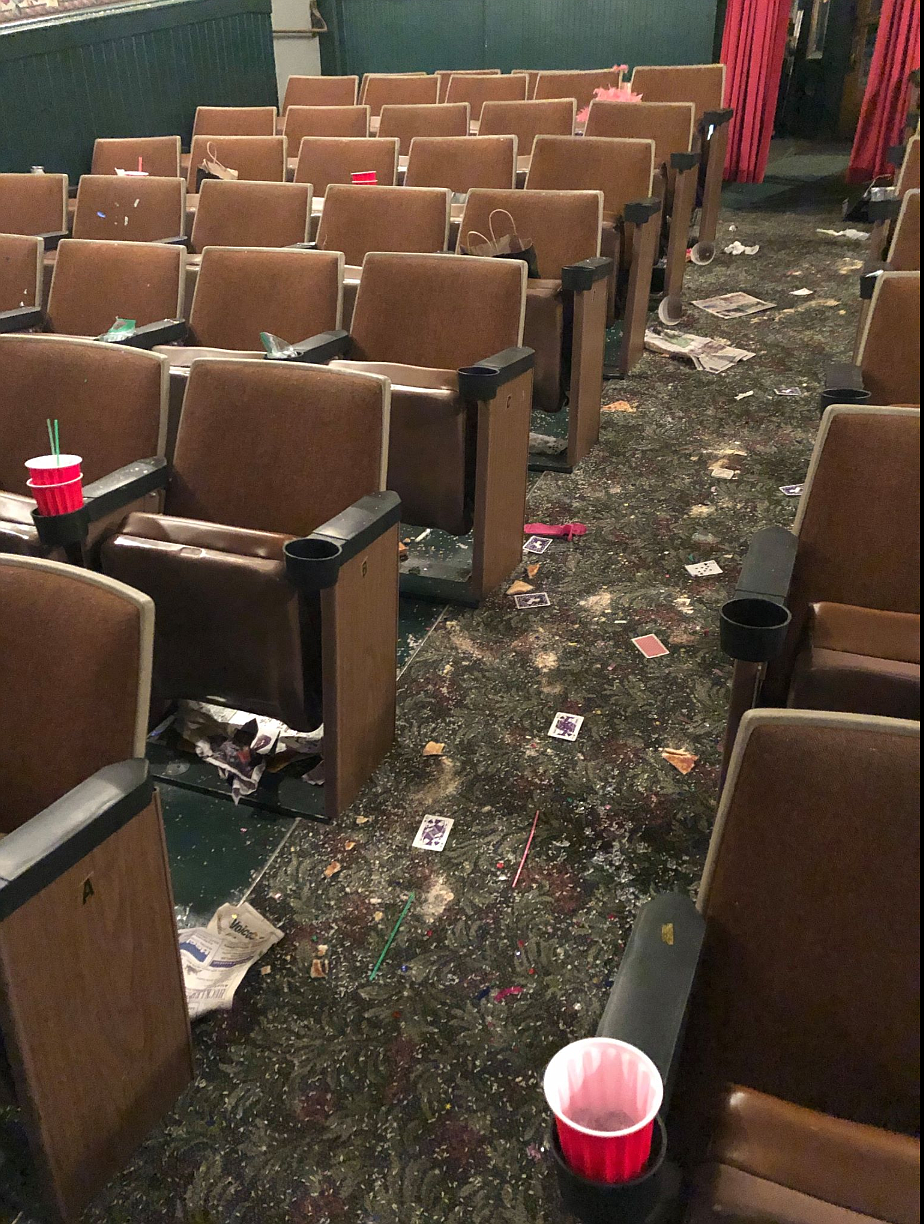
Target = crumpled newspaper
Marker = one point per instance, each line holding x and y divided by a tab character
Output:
854	235
545	444
738	248
216	957
241	745
711	356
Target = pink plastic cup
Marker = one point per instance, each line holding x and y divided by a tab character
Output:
53	469
605	1095
365	176
58	498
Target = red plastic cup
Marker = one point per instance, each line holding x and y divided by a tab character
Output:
605	1095
53	469
58	498
365	176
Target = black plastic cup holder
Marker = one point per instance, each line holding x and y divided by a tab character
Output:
753	629
632	1202
313	563
844	395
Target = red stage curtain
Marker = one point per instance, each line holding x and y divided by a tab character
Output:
752	50
882	119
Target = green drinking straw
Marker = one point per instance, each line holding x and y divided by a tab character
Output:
391	938
57	444
53	440
51	437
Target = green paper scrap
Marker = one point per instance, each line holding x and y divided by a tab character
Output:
121	327
391	938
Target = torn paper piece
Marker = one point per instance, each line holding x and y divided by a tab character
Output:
432	748
852	235
733	305
680	759
618	406
738	248
801	292
215	958
744	395
566	726
433	833
545	444
518	588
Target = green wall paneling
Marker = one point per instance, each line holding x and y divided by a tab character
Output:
404	35
139	70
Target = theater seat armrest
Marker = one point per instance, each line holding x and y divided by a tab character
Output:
23	318
302	246
868	279
753	625
318	350
314	562
182	240
48	845
125	485
579	277
647	1006
884	210
718	118
639	212
164	332
52	238
482	381
109	493
843	385
685	161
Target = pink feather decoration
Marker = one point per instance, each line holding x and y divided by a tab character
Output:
621	93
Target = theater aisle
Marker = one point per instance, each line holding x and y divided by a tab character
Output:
415	1099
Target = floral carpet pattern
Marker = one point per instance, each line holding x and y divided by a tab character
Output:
416	1098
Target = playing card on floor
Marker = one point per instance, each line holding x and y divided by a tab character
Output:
566	726
538	599
536	544
433	833
704	569
792	490
651	647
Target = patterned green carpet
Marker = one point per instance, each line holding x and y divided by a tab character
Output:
416	1098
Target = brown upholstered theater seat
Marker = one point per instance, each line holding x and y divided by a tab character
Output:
788	1005
255	158
457	457
889	351
323	160
905	252
909	175
93	1070
671	125
95	283
34	204
397	89
243	291
445	77
850	581
577	85
325	121
532	76
20	274
234	121
405	122
235	621
111	402
459	163
565	324
248	214
159	155
320	91
704	86
130	209
526	121
476	89
358	219
624	171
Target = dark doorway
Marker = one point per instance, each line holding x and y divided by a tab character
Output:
825	65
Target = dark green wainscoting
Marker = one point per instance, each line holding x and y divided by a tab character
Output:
138	70
403	35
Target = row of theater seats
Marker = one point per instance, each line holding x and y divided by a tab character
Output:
781	1010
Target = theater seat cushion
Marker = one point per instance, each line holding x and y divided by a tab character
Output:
770	1160
859	660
